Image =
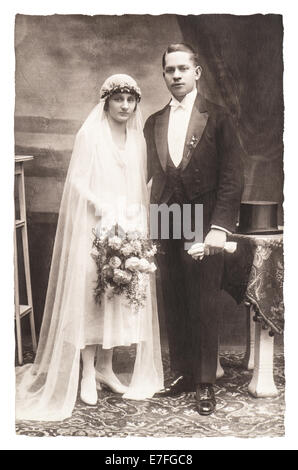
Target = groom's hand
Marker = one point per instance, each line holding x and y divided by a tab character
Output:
214	241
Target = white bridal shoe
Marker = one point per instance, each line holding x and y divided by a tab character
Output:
88	390
110	382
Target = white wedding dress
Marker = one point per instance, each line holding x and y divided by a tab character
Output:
103	185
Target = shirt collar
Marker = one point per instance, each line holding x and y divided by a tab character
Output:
187	101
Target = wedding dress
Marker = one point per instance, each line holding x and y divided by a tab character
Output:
104	185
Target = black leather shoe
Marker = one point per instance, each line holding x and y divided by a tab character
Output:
179	385
205	399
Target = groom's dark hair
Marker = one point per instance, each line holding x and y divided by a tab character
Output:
180	47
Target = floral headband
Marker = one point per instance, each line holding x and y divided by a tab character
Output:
120	84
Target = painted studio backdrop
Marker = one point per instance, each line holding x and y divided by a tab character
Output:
61	62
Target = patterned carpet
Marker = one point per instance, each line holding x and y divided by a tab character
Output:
238	414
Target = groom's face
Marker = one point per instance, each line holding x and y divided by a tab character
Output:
180	73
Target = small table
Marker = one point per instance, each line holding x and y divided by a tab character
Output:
263	295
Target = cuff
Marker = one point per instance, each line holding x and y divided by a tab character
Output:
221	228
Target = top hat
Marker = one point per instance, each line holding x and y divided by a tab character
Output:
258	217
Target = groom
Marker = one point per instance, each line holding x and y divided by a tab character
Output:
194	157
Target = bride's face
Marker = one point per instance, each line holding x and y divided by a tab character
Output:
121	106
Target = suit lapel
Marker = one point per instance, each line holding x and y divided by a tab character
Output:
197	124
161	136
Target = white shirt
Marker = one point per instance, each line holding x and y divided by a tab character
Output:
178	124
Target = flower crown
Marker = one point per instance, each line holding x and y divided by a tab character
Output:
113	88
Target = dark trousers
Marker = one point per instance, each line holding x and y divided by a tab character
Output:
192	303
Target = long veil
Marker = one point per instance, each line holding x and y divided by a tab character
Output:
47	389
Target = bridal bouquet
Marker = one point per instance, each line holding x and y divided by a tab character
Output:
123	261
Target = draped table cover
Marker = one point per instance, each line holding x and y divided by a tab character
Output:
254	273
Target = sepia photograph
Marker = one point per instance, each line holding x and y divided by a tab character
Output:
148	240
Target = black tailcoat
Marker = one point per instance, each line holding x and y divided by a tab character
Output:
211	173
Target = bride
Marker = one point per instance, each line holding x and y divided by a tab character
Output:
105	185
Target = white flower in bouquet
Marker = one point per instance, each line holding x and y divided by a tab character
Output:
132	235
152	268
144	265
115	262
115	242
154	249
150	253
132	263
127	249
94	252
137	246
121	276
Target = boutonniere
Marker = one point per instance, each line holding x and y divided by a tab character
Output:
192	143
